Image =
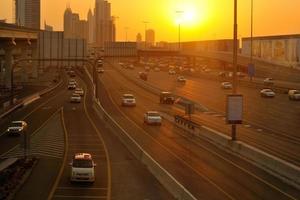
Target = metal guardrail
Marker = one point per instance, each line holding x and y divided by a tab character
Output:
186	122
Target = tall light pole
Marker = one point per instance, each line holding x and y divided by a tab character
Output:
235	51
145	23
179	12
251	39
126	29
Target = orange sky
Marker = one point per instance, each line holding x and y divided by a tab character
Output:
208	19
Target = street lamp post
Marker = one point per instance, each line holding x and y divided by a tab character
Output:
179	27
251	39
235	49
145	23
126	29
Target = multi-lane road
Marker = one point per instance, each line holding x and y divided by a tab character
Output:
59	129
73	128
269	124
206	171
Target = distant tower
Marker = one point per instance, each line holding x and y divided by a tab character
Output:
68	23
91	25
105	27
139	38
28	13
150	37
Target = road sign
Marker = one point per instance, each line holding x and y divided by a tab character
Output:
251	69
234	109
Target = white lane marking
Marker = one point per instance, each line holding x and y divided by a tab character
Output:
81	188
79	197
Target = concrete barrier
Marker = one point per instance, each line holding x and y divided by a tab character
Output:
26	100
162	175
279	168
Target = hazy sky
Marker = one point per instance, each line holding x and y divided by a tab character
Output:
202	19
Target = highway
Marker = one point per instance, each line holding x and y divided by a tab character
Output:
206	171
118	174
269	124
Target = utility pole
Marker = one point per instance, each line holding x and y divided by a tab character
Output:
235	51
179	12
145	23
251	40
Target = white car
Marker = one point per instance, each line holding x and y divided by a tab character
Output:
128	100
72	81
294	94
82	168
152	117
172	72
79	91
16	127
181	79
156	69
268	81
100	70
71	86
267	93
226	85
75	98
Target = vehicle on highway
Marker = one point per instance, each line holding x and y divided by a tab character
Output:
268	81
143	76
128	100
156	69
82	168
16	128
71	86
267	93
79	91
100	70
241	74
226	85
130	66
75	98
222	74
100	63
72	81
72	74
152	118
166	98
147	68
172	72
294	94
181	79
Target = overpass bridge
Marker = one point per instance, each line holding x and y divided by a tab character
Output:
15	42
225	59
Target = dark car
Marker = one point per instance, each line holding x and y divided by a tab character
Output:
143	76
166	98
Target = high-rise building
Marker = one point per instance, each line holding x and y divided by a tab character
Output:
47	27
105	27
91	27
74	28
68	23
28	13
150	37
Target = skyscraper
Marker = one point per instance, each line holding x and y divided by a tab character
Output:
74	27
28	13
91	24
150	37
105	27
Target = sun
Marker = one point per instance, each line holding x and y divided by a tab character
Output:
189	14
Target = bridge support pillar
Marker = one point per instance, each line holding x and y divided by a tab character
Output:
35	66
8	65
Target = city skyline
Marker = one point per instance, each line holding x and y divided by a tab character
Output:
215	22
